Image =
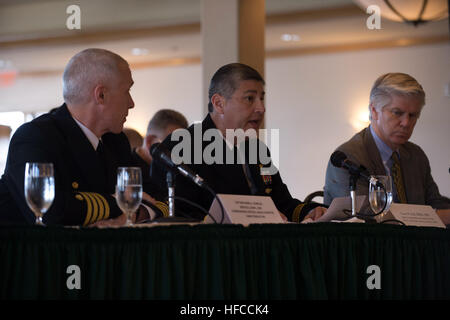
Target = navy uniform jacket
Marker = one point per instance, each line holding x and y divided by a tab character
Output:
227	179
83	188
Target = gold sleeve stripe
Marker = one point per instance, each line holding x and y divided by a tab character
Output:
94	207
101	207
163	207
105	205
89	209
296	213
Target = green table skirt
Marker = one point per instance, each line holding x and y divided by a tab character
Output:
264	262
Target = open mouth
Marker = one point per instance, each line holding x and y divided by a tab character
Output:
254	123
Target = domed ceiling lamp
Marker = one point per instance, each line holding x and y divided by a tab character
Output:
413	12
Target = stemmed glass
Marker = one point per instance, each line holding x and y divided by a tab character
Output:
39	188
380	194
129	190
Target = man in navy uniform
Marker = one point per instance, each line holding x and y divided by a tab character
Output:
236	101
83	139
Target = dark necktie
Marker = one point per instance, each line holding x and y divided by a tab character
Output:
246	166
101	155
397	176
100	150
250	181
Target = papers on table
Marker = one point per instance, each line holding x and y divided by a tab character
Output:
336	212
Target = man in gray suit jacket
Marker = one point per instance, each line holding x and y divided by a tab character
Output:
396	100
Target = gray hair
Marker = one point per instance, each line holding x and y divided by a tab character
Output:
391	84
87	69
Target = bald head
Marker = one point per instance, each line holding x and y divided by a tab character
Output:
88	69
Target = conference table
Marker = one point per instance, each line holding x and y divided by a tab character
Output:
221	262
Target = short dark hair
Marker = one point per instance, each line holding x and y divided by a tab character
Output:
226	80
166	117
134	137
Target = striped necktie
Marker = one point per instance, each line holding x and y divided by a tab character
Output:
397	176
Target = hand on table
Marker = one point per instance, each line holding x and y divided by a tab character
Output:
115	222
283	216
315	213
444	214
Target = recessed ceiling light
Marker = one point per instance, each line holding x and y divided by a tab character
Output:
290	37
139	51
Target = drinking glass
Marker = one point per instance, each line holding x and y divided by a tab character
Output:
39	188
129	190
380	194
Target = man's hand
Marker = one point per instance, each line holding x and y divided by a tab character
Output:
147	197
116	222
316	213
444	214
283	216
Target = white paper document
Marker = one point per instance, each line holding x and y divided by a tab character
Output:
244	209
414	215
337	206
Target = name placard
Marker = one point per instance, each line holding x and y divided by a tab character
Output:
414	215
244	209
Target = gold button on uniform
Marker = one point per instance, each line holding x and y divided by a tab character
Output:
75	185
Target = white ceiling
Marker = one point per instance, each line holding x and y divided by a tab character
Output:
34	38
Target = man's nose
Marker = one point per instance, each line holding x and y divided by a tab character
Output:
260	106
406	120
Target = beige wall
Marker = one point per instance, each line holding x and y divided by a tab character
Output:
314	100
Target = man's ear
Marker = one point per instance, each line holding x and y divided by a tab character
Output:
99	94
218	102
373	111
149	140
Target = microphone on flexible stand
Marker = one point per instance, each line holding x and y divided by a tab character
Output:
340	160
160	152
157	150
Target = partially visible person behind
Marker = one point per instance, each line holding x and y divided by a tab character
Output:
396	102
134	137
236	101
83	139
163	123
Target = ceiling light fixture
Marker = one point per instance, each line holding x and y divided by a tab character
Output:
413	12
139	51
290	37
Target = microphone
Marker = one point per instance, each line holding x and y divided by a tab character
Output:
340	160
158	151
